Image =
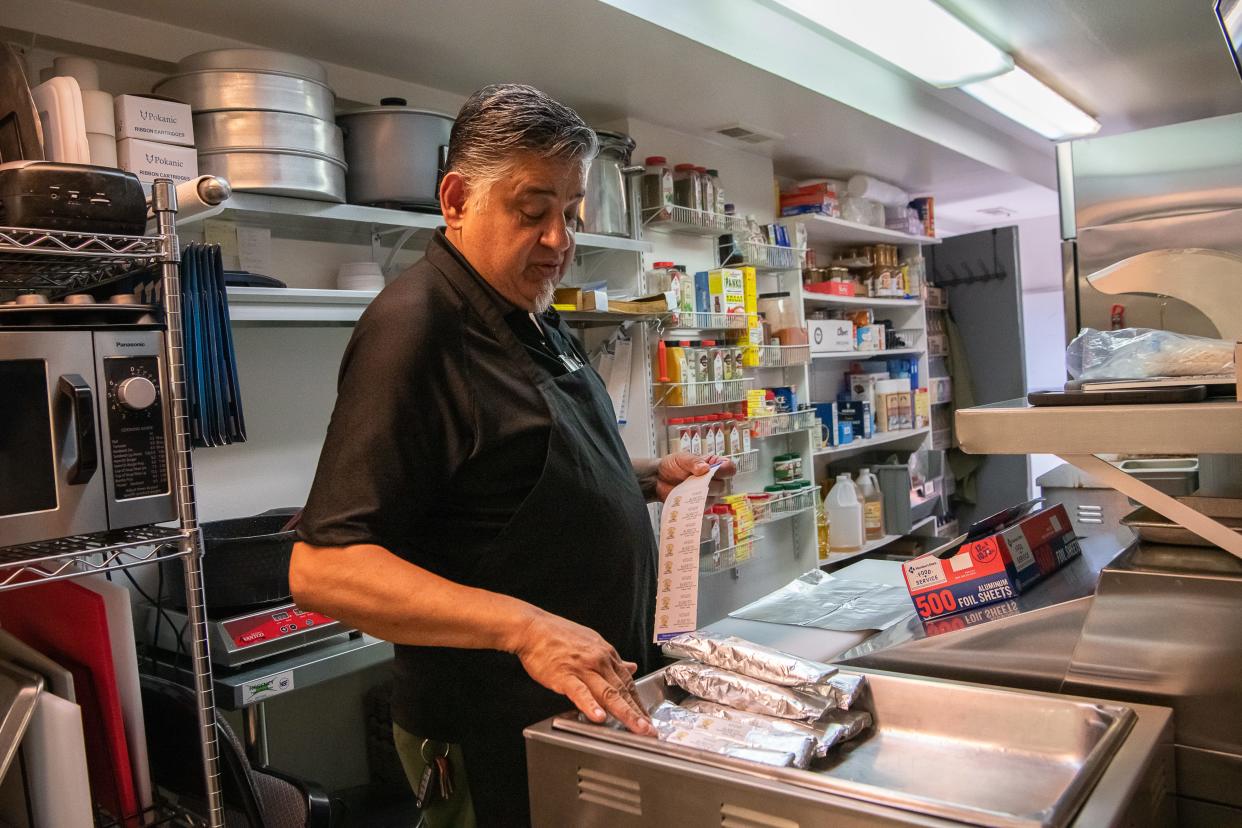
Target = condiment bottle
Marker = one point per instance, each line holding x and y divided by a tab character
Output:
677	438
743	425
657	190
873	505
721	443
844	516
696	436
718	202
707	193
714	365
724	520
710	533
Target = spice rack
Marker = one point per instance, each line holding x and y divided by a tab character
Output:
729	557
770	258
688	221
695	394
746	462
787	505
692	323
782	425
58	263
782	356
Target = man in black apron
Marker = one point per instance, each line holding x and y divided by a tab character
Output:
474	502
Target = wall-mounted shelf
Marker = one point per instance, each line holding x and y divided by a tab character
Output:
297	306
824	299
836	558
881	439
828	230
305	216
889	352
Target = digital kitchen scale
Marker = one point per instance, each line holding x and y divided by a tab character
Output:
240	639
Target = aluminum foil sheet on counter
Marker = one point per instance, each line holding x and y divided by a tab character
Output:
816	599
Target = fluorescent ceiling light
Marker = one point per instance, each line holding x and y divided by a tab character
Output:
916	35
1020	96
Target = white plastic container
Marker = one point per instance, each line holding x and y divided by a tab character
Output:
844	516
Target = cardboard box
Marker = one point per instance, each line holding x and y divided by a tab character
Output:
869	338
150	119
894	411
861	385
830	288
922	408
702	295
150	160
830	335
818	198
727	289
858	414
991	569
750	290
580	299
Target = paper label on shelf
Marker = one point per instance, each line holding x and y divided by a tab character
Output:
254	249
618	382
223	233
677	581
266	688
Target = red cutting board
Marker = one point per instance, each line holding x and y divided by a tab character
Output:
69	624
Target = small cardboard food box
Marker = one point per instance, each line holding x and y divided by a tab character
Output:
994	568
830	335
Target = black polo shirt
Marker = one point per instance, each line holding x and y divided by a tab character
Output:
431	431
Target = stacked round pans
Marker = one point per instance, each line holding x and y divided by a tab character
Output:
263	120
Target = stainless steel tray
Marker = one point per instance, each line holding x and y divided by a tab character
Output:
977	755
1153	527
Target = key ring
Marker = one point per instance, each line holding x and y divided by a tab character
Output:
423	750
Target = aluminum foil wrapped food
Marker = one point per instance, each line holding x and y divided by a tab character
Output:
745	693
842	690
826	734
680	733
753	733
729	652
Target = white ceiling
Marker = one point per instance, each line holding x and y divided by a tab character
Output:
1132	63
610	64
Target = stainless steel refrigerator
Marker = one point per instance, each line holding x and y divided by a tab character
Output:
1171	187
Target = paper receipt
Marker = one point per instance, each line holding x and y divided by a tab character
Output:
677	575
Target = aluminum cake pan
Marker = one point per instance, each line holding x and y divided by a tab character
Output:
977	755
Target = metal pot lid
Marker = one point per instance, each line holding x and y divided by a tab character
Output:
254	60
179	75
388	105
614	138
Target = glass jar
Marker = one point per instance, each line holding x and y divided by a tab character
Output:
686	189
657	189
707	190
716	205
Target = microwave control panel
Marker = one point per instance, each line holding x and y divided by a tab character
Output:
135	412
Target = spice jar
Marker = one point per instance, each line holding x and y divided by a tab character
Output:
686	190
707	190
657	189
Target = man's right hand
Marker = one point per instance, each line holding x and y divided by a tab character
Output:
577	662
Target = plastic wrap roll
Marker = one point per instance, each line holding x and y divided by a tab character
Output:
84	70
864	186
98	113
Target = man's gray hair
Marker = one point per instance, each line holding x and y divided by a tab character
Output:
502	121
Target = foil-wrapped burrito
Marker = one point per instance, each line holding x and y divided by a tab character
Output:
729	652
826	735
680	733
842	690
746	693
754	733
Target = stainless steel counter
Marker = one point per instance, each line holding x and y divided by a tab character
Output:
941	753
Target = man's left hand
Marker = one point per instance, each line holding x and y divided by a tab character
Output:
675	468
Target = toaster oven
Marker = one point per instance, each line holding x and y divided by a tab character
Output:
85	437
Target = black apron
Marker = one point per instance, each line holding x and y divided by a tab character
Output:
580	546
